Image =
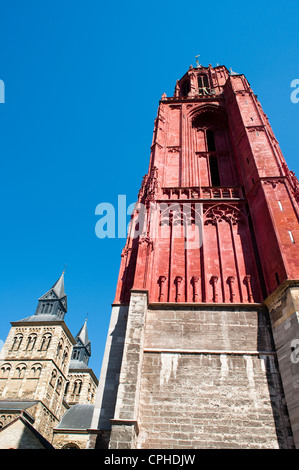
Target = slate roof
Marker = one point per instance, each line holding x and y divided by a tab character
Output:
43	317
16	405
77	417
82	335
74	364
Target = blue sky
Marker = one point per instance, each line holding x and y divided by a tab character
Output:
82	85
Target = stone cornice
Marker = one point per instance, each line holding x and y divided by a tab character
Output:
280	289
46	323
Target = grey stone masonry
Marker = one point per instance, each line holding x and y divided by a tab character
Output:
109	379
210	379
124	425
190	376
283	306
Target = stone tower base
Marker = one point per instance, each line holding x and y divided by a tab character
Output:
197	376
283	306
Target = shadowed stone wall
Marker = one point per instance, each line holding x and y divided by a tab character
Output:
210	379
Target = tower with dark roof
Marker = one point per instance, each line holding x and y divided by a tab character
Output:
82	382
37	369
82	349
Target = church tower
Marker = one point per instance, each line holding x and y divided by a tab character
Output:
47	389
35	362
200	351
82	382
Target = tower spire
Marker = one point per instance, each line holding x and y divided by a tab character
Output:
82	348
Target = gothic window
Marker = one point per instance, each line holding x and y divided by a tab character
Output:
16	342
214	171
5	369
45	342
185	88
20	371
53	377
31	341
203	84
213	161
210	140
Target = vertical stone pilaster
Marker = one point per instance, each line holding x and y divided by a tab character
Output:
283	306
124	427
109	378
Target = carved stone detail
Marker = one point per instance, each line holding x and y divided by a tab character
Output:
213	281
161	282
178	283
230	281
223	212
194	282
247	282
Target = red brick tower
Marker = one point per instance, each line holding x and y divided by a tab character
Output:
200	351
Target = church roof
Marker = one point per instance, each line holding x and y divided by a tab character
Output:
74	364
82	335
58	288
79	416
56	293
17	405
43	317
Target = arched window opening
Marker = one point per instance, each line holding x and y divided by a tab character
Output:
76	354
65	355
53	377
45	342
59	348
66	388
77	387
5	370
16	343
210	141
31	341
70	445
20	371
203	84
35	371
59	385
214	171
185	88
